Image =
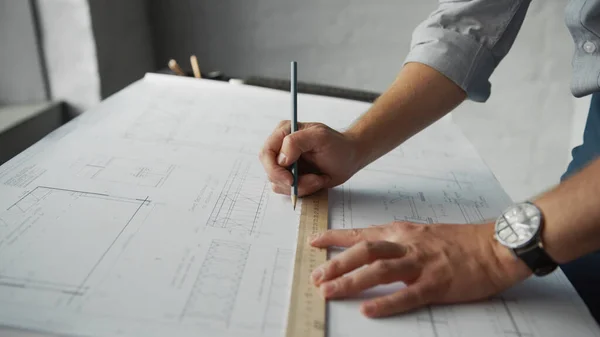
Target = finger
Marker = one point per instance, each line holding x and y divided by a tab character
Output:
406	299
346	237
280	189
358	255
270	151
297	143
380	272
311	183
308	184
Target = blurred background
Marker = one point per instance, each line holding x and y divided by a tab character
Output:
59	58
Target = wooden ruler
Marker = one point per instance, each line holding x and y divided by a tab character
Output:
306	317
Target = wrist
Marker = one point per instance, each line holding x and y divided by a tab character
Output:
554	239
361	147
506	261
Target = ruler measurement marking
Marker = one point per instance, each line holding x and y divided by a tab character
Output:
306	316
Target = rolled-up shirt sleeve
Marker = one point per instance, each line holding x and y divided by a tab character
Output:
466	40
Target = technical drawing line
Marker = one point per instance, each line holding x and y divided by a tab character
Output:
109	247
24	279
40	287
262	196
23	197
75	191
128	171
433	327
15	230
217	283
512	319
411	175
456	180
240	204
270	291
273	316
481	217
338	208
231	174
434	213
462	211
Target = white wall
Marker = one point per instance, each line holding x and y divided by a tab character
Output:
21	79
70	52
524	130
94	48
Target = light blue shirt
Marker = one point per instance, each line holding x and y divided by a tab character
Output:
466	40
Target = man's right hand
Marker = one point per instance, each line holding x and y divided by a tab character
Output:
326	157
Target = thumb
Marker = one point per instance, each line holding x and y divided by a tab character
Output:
296	144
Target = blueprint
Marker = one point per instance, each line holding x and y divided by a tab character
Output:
150	215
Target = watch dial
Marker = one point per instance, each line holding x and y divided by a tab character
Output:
518	225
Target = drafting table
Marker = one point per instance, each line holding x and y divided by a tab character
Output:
151	215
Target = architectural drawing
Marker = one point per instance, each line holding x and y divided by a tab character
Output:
159	220
146	127
275	313
189	127
242	202
40	220
214	292
390	197
126	171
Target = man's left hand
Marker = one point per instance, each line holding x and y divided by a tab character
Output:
439	263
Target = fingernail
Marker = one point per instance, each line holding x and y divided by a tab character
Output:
281	159
369	309
327	289
318	182
317	275
312	238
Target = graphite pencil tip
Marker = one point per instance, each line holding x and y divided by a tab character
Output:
294	199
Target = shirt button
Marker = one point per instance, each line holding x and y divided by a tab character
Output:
589	47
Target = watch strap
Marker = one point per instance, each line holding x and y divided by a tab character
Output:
536	258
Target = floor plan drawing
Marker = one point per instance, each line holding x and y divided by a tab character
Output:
154	217
39	220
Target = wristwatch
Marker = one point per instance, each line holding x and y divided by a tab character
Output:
519	229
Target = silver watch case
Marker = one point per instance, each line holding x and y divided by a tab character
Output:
519	225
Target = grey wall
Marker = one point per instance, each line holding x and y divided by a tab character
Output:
123	42
21	79
355	43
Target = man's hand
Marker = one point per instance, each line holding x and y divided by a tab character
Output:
326	157
439	264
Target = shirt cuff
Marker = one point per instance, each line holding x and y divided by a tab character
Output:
460	58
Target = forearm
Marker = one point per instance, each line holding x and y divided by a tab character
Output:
572	215
418	97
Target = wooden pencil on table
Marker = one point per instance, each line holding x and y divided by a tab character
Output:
174	66
195	67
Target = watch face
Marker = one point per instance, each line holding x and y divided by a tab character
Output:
518	225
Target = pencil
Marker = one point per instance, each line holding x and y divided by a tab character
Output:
175	68
294	92
195	67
